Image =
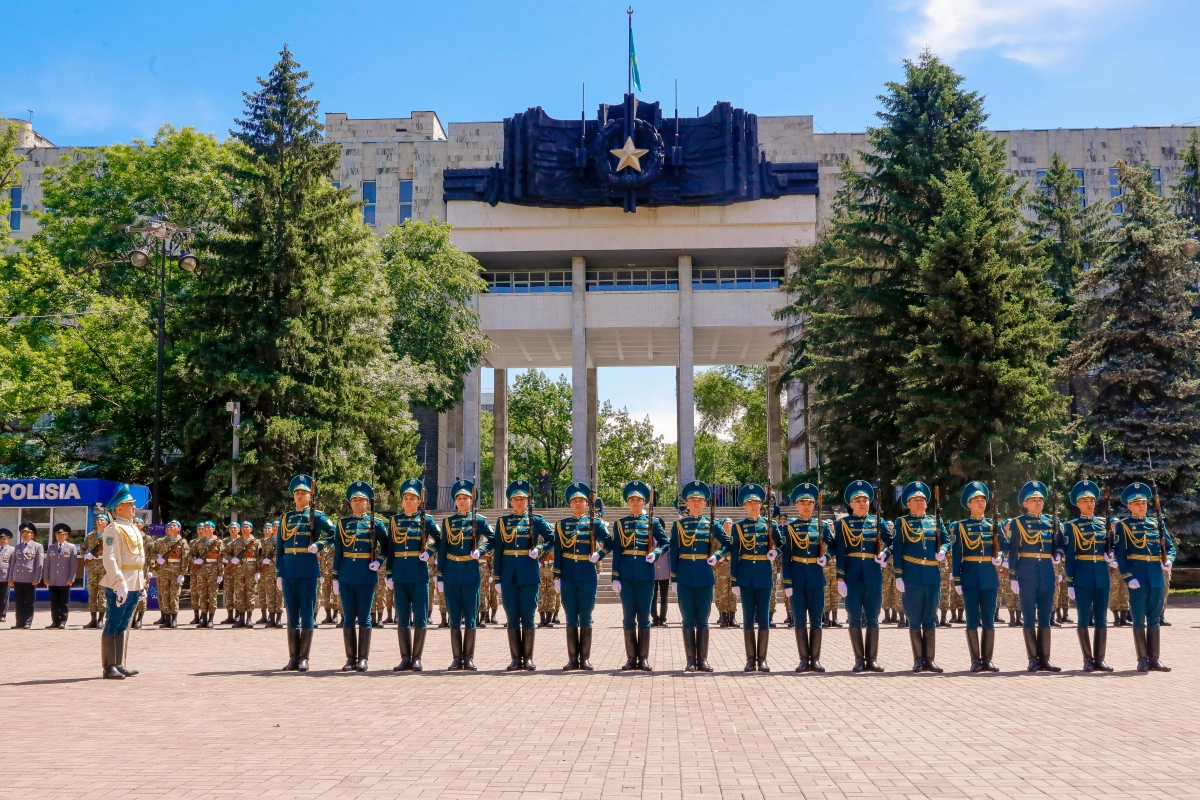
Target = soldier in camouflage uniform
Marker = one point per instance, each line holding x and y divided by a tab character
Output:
379	605
93	549
147	543
434	593
1118	598
1012	602
270	599
889	593
331	602
832	598
244	562
1062	602
548	599
170	555
947	591
225	575
723	596
208	550
487	591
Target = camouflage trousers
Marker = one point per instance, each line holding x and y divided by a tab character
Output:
244	586
777	586
951	601
384	597
95	591
1118	596
168	589
487	589
1011	601
891	598
832	598
270	599
723	595
434	595
204	589
548	599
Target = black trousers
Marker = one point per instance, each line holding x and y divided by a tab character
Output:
659	606
60	601
24	603
3	600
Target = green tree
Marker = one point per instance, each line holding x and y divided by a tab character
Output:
435	322
1141	344
291	315
1186	193
731	439
539	424
630	450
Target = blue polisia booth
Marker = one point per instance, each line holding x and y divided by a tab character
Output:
45	502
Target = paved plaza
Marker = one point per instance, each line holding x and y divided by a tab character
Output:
208	718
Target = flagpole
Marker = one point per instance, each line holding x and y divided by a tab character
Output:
629	55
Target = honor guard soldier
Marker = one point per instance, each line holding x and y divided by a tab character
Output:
124	581
6	553
412	538
524	537
93	549
206	568
227	575
58	573
170	555
25	572
466	536
861	546
248	556
919	546
805	554
1088	552
270	603
580	541
638	541
754	544
303	533
697	544
1145	552
974	558
1032	551
358	552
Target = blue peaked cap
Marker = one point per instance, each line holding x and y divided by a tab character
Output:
1136	491
1083	489
751	491
972	490
1032	489
859	487
804	491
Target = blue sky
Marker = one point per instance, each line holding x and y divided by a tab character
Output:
96	73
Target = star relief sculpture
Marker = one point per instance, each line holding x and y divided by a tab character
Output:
629	155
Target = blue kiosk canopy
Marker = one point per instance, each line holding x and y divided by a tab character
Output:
54	492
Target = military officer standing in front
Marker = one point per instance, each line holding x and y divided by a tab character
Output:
303	533
25	573
919	547
697	545
93	563
170	555
638	541
466	536
1145	560
58	573
861	543
1087	555
805	554
1032	551
6	553
580	541
523	539
412	539
358	552
974	558
124	581
754	545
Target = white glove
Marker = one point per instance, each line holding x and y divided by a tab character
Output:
1133	583
1004	564
179	580
616	586
1071	592
558	584
279	584
594	557
787	592
941	555
257	576
320	579
88	557
1058	578
533	553
475	554
266	561
224	560
441	587
958	590
880	557
391	584
1166	565
900	585
335	588
122	596
822	560
235	561
424	555
373	566
772	555
650	558
675	588
197	560
160	560
499	588
997	561
843	590
711	561
1015	587
1057	558
1111	559
737	591
312	548
220	579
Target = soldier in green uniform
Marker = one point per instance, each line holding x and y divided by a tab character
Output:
170	553
1145	553
227	577
638	541
301	535
696	546
243	565
861	542
974	559
412	536
755	544
206	568
523	538
466	536
1032	551
1118	599
486	582
580	541
805	554
548	597
358	552
93	550
723	597
331	602
919	547
1087	557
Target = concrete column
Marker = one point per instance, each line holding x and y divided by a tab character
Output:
774	419
797	427
499	437
579	370
472	403
685	397
593	429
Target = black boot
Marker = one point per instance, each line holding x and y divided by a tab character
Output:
123	655
527	649
481	619
444	623
195	617
350	640
108	657
802	648
468	649
814	649
986	648
931	664
305	648
293	637
543	620
573	641
643	662
456	650
872	649
1085	645
1117	620
1101	645
364	649
1031	649
918	648
1152	645
631	644
175	621
514	649
1043	643
92	624
689	649
1142	650
239	620
1012	618
973	647
833	618
751	650
856	644
418	647
163	618
585	649
328	616
764	635
137	623
702	664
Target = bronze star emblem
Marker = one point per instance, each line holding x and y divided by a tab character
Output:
629	155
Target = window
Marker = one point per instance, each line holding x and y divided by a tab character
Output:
633	280
405	201
368	196
1157	173
527	282
1114	191
337	184
737	278
1081	190
14	215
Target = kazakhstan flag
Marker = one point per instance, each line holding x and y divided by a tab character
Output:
634	76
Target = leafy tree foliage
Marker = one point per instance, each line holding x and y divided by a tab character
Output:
1187	189
539	424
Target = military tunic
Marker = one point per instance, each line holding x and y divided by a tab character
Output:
805	554
298	566
124	569
1139	556
360	543
635	538
458	572
1086	569
171	558
750	568
410	535
519	575
971	564
575	540
1031	543
857	542
694	540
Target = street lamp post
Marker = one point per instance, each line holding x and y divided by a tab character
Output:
171	240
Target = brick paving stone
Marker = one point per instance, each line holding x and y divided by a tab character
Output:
210	717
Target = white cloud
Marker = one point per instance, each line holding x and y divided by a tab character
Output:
1037	32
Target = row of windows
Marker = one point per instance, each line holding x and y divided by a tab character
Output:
635	280
370	201
632	280
14	215
1114	188
526	282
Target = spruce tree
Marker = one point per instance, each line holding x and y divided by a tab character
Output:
1141	345
1186	193
290	314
